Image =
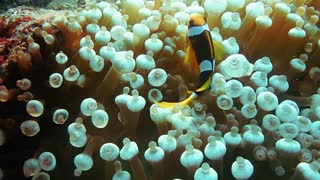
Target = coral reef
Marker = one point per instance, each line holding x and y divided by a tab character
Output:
77	91
8	4
63	4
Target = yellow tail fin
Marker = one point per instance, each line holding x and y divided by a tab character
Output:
189	92
172	104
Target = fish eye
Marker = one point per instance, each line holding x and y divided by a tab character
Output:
191	22
205	19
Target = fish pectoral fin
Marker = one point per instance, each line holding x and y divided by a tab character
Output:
191	59
180	104
189	55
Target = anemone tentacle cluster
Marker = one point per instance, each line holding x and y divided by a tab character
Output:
78	92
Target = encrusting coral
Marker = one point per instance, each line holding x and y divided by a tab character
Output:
77	91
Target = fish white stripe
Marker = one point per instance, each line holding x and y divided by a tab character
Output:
206	65
196	30
213	64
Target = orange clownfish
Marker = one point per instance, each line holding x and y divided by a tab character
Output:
200	54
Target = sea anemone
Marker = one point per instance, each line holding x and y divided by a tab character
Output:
79	91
